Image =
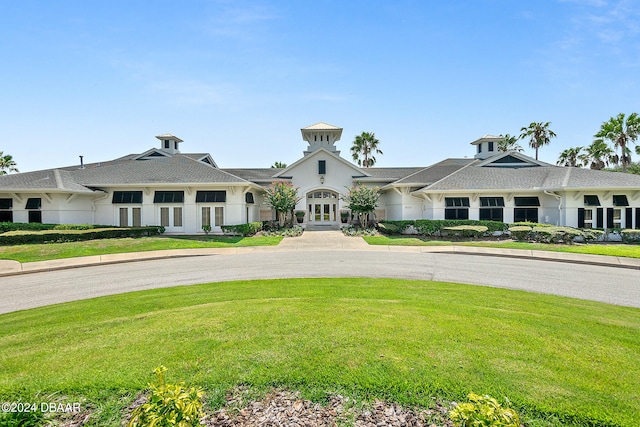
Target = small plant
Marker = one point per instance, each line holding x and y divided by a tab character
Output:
207	229
483	411
300	216
169	405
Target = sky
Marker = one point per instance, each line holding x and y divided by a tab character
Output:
240	78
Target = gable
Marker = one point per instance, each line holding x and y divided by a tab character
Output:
511	159
334	164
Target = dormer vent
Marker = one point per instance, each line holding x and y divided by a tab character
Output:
169	143
486	146
321	135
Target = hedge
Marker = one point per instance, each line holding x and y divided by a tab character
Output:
242	229
630	236
435	227
59	236
545	233
473	231
36	226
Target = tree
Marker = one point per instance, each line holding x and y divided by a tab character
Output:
621	132
509	143
282	197
362	201
632	168
7	164
569	157
538	133
598	155
278	165
365	145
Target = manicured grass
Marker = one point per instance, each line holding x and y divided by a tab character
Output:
41	252
554	358
630	251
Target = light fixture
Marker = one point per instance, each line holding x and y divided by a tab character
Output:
321	179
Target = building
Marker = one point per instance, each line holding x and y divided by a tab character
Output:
186	191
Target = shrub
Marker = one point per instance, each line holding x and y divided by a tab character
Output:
433	227
630	236
294	231
483	411
242	229
75	227
60	236
399	227
169	405
357	231
473	231
521	232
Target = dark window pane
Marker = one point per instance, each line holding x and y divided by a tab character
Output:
599	218
127	197
580	217
525	215
491	214
34	203
609	217
6	216
169	197
456	201
35	216
456	213
6	203
620	200
211	196
492	201
591	201
248	198
322	167
526	201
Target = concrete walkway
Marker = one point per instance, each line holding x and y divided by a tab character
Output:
330	240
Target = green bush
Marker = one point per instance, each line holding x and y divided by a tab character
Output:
242	229
472	231
357	231
401	225
76	227
433	227
630	236
60	236
169	405
546	233
294	231
388	228
33	226
520	232
483	411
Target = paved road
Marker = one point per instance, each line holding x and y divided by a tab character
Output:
593	282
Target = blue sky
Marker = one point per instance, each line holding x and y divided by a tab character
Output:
238	79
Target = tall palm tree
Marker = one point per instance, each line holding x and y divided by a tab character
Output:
569	157
509	143
621	132
538	133
598	155
7	164
365	145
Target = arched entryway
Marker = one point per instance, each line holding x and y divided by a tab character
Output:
322	207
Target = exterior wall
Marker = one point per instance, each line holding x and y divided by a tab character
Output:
55	208
574	201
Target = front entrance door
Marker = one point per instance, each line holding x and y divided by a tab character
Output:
323	206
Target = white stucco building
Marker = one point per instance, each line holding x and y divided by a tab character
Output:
184	191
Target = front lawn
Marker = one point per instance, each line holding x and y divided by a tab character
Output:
560	361
621	250
41	252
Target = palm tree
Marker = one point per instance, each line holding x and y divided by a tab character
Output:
598	155
365	145
538	133
621	132
569	157
279	165
509	143
7	164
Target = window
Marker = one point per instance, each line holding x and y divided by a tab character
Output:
322	167
617	218
137	217
169	197
124	217
127	197
456	213
6	214
491	214
33	203
491	201
166	143
164	217
490	145
456	201
206	216
219	215
585	218
525	214
620	200
211	196
177	217
526	201
35	216
248	198
479	148
591	201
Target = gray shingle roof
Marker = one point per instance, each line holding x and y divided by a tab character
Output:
436	172
255	175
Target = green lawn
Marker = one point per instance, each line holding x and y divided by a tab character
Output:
554	358
630	251
41	252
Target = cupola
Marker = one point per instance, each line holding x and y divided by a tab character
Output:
169	143
321	135
487	146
